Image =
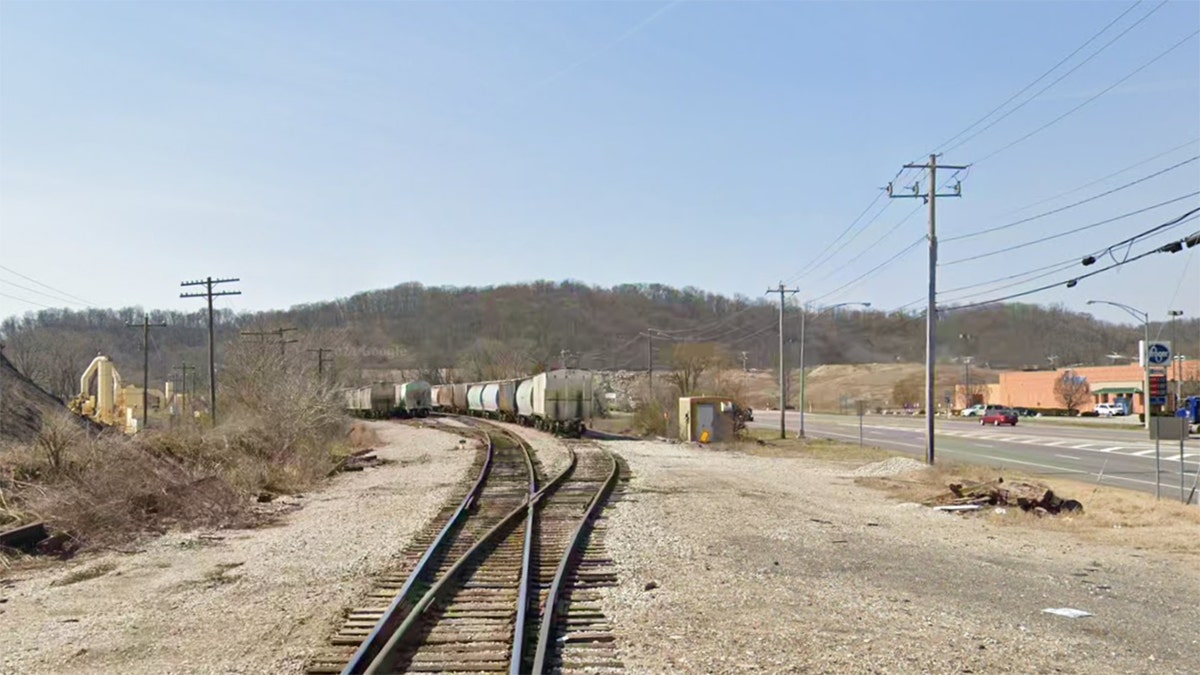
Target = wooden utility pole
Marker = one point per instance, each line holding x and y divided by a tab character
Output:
320	352
783	291
930	196
208	293
145	325
278	332
183	381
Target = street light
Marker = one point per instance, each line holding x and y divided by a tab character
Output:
803	313
1145	318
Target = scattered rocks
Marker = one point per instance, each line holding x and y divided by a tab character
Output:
650	585
895	466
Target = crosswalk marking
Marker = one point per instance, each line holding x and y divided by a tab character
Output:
1143	453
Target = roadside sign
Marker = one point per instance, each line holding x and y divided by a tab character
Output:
1158	400
1158	354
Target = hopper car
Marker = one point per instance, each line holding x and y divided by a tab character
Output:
558	401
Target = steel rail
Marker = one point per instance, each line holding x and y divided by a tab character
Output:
370	647
551	607
383	661
518	648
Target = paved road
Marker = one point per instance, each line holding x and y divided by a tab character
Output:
1126	457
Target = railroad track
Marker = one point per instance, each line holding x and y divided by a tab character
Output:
573	566
470	594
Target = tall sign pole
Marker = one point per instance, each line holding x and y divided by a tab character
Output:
930	196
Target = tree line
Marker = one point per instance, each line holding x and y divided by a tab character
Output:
480	333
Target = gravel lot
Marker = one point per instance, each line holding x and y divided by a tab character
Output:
785	565
233	601
548	449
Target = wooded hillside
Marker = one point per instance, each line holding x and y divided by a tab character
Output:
485	332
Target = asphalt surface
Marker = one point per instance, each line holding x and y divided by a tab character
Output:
1112	456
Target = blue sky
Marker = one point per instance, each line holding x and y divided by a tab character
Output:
320	149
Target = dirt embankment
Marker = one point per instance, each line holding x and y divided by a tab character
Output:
232	601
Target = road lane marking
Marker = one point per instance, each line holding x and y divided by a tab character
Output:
1067	457
1143	453
1083	446
1115	447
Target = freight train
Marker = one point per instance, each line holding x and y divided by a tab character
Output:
558	401
410	399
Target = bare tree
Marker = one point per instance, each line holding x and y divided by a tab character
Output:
908	390
689	360
1072	391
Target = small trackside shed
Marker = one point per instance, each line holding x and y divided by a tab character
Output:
707	419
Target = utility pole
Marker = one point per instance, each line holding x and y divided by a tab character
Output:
783	291
145	325
650	360
208	293
278	332
745	356
183	380
930	196
1176	362
320	352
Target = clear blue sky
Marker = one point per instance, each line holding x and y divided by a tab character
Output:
319	149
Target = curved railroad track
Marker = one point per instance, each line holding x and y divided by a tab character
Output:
473	589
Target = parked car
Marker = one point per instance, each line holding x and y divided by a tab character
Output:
1109	410
1025	412
979	410
1001	416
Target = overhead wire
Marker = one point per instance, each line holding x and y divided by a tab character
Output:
30	302
1076	230
821	258
1081	202
1114	174
1088	100
1060	78
41	293
1070	282
46	286
871	271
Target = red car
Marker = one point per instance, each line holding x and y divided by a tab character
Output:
998	417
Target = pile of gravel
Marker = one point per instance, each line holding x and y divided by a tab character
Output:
895	466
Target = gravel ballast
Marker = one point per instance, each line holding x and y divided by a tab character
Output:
232	601
769	564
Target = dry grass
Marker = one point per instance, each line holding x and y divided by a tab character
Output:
616	423
1111	515
282	434
766	443
85	573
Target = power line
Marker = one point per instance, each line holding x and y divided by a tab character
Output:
1060	78
1114	85
28	302
878	240
1171	247
822	257
1060	209
1054	268
1068	232
871	271
47	286
41	293
1104	178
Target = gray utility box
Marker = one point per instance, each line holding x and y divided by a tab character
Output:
1168	428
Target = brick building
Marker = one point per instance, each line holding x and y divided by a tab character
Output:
1108	384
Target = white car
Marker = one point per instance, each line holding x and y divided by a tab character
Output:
979	410
1109	410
